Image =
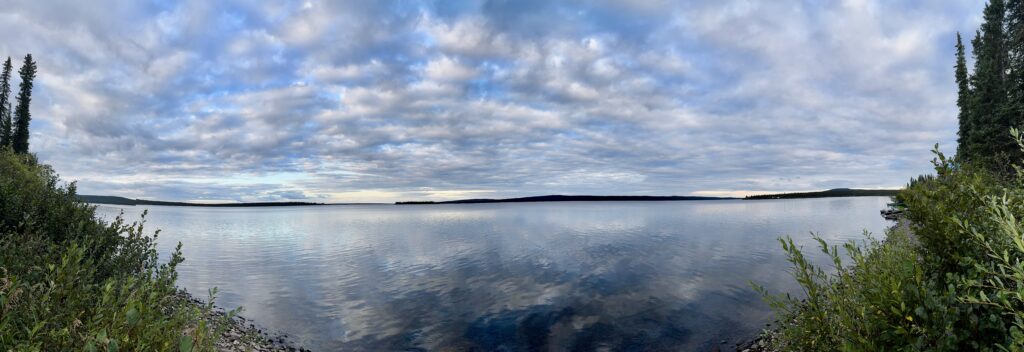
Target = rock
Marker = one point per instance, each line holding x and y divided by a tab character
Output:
240	334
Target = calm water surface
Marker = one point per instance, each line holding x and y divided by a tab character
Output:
550	276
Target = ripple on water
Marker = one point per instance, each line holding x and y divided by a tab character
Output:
614	275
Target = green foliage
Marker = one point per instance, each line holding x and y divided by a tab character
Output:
950	280
22	113
71	282
953	279
941	204
883	301
996	280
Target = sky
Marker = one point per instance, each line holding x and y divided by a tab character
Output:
380	101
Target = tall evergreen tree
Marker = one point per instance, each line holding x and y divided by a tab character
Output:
22	114
971	145
1014	114
963	98
6	132
987	118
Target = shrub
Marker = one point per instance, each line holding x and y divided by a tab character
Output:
883	301
69	281
952	280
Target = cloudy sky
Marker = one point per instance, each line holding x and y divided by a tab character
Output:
368	101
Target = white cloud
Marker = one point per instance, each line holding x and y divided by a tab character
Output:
448	69
371	100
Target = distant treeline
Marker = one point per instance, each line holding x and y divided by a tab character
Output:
128	201
836	192
561	198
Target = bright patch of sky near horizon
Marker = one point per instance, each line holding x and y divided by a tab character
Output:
405	100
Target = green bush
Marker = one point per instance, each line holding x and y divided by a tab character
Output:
951	280
882	301
938	206
69	281
996	280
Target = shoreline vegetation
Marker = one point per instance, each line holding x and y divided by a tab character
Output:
952	279
945	278
70	281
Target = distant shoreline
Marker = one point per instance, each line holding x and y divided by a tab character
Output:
563	198
836	192
112	200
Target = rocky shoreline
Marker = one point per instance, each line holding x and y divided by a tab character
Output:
240	334
764	342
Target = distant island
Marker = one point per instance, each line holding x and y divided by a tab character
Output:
128	201
835	192
562	198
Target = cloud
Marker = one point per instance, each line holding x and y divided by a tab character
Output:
382	101
447	69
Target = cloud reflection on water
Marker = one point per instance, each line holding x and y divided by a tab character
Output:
574	276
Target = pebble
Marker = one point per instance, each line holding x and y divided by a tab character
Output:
243	334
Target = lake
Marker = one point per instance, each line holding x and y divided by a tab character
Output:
516	276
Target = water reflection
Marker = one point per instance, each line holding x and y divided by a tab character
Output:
567	276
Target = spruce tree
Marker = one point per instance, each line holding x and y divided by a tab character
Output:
972	119
963	99
6	132
991	98
987	119
1015	45
22	114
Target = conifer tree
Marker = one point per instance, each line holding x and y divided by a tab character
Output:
22	114
987	119
963	98
6	132
1015	45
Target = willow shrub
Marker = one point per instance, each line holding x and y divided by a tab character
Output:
952	280
882	300
69	281
997	280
